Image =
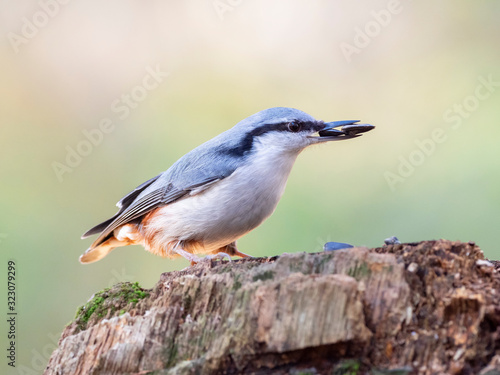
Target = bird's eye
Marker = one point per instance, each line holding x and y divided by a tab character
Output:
294	127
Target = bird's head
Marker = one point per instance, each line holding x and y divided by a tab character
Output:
290	130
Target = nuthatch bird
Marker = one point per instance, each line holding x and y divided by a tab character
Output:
219	191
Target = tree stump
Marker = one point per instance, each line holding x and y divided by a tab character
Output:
423	308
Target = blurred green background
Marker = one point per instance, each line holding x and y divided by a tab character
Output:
413	69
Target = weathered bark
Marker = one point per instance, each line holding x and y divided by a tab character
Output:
426	308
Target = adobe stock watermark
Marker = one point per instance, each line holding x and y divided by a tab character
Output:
3	236
364	36
221	7
453	116
121	108
31	26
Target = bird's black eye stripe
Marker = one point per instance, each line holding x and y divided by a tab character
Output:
246	142
294	126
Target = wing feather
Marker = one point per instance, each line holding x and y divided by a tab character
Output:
130	197
146	203
122	205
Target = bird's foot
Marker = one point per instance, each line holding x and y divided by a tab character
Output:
232	250
193	259
209	258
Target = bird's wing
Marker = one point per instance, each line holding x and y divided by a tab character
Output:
194	172
122	205
130	197
144	203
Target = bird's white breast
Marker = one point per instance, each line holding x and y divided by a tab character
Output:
231	207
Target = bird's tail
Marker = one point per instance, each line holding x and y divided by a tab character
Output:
93	254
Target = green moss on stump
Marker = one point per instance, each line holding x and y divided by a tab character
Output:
266	275
109	302
347	367
237	282
360	271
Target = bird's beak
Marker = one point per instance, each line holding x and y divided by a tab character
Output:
348	129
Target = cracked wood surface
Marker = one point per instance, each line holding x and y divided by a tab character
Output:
424	308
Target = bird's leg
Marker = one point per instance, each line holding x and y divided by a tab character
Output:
191	257
232	250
